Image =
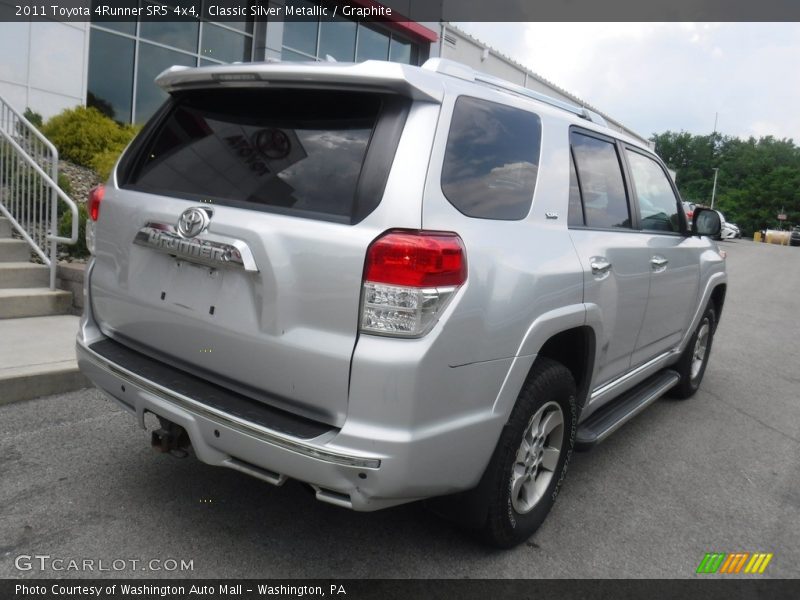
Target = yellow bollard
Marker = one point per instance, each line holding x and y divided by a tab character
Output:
757	236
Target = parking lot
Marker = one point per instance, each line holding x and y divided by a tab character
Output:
717	473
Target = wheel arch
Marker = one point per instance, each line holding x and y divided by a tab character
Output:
713	292
718	298
575	349
562	335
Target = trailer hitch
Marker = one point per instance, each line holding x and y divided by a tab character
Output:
171	438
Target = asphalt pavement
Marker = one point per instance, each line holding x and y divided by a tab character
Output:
717	473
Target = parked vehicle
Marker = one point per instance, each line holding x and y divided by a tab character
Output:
729	231
794	239
393	283
688	209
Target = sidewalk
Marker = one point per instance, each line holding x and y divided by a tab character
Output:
37	357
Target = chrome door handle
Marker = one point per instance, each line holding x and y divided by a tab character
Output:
599	265
658	262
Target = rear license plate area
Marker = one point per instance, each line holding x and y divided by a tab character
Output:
192	287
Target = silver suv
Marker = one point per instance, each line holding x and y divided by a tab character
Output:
393	283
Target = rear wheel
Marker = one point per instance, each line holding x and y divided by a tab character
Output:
694	360
530	461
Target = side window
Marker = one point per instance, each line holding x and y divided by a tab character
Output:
605	203
657	202
575	217
491	159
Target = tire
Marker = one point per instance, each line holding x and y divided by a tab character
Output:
690	366
522	481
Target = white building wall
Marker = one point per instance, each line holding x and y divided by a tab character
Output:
44	65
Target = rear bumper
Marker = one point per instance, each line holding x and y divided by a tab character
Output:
365	465
222	439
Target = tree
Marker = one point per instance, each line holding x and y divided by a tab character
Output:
757	177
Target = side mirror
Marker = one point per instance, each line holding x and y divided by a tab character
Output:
706	221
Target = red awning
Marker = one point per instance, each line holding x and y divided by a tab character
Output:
400	23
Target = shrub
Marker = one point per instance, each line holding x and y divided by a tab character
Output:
34	117
64	183
79	250
80	133
104	161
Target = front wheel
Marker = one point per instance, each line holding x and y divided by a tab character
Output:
531	458
694	360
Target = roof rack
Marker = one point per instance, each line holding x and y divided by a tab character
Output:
456	69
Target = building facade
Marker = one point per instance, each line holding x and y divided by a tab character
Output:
49	66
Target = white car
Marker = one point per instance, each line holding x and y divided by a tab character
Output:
729	231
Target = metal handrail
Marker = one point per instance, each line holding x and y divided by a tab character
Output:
29	194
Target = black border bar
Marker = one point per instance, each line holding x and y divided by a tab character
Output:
417	10
704	587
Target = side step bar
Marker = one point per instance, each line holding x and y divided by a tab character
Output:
611	417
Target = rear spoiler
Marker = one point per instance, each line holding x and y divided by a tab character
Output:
371	75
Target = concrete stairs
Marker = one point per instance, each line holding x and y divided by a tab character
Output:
37	333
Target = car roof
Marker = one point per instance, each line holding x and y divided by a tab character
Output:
429	82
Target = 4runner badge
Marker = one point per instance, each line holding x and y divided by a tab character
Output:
209	249
192	222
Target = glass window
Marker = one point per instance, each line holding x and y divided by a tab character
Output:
371	44
180	34
402	51
300	35
575	217
245	26
110	86
223	44
491	159
337	38
295	151
153	60
605	203
287	54
658	205
128	27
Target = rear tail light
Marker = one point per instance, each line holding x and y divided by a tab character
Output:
95	198
93	208
409	279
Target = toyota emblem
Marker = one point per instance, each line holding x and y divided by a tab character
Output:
192	222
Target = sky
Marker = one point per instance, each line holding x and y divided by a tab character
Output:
654	77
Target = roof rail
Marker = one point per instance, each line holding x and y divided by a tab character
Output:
456	69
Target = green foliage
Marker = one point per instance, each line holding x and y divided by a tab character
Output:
34	117
81	133
64	183
757	178
103	162
79	249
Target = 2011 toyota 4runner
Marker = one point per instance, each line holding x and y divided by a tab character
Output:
393	283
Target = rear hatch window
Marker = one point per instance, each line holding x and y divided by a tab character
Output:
321	154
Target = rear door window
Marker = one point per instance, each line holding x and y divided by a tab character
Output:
294	151
599	173
491	159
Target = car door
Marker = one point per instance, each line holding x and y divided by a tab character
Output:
673	257
616	270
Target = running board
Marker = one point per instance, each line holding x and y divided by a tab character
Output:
621	410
